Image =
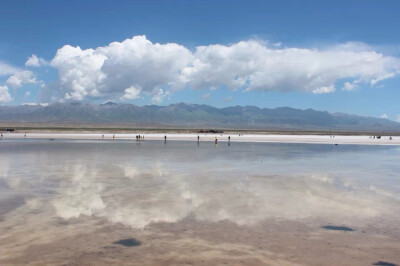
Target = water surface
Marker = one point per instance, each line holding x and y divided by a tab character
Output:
184	202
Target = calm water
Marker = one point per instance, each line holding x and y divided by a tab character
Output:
143	185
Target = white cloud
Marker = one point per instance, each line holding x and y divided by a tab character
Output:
258	67
4	94
35	61
159	96
349	86
106	72
20	78
34	104
382	77
384	116
27	93
6	69
205	96
109	70
131	93
322	90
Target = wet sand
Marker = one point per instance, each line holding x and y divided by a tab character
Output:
190	242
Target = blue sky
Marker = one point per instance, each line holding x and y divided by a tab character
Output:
339	56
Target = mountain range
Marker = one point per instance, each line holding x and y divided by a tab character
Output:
184	115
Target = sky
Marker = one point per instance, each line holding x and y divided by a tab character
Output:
336	56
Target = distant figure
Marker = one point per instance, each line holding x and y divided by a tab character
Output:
114	136
25	135
102	136
1	135
143	137
390	138
216	141
198	138
165	137
229	138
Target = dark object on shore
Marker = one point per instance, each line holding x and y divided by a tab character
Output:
213	131
8	130
378	137
128	242
336	144
384	263
337	228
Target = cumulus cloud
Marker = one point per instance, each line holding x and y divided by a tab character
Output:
34	61
131	93
159	96
158	69
110	70
20	78
384	116
6	69
349	86
322	90
4	94
255	66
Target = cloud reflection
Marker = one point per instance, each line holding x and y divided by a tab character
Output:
139	196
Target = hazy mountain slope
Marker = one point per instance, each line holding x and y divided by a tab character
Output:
194	115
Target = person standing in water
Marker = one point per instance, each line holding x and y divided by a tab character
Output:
216	141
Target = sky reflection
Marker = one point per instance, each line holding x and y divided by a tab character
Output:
244	183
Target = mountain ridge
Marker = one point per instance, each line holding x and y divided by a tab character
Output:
194	115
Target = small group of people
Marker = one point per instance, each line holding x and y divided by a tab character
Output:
379	137
216	140
139	137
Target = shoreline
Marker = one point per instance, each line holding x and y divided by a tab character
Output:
251	138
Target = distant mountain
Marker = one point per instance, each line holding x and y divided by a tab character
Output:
193	116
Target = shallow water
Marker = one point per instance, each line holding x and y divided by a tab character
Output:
189	194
